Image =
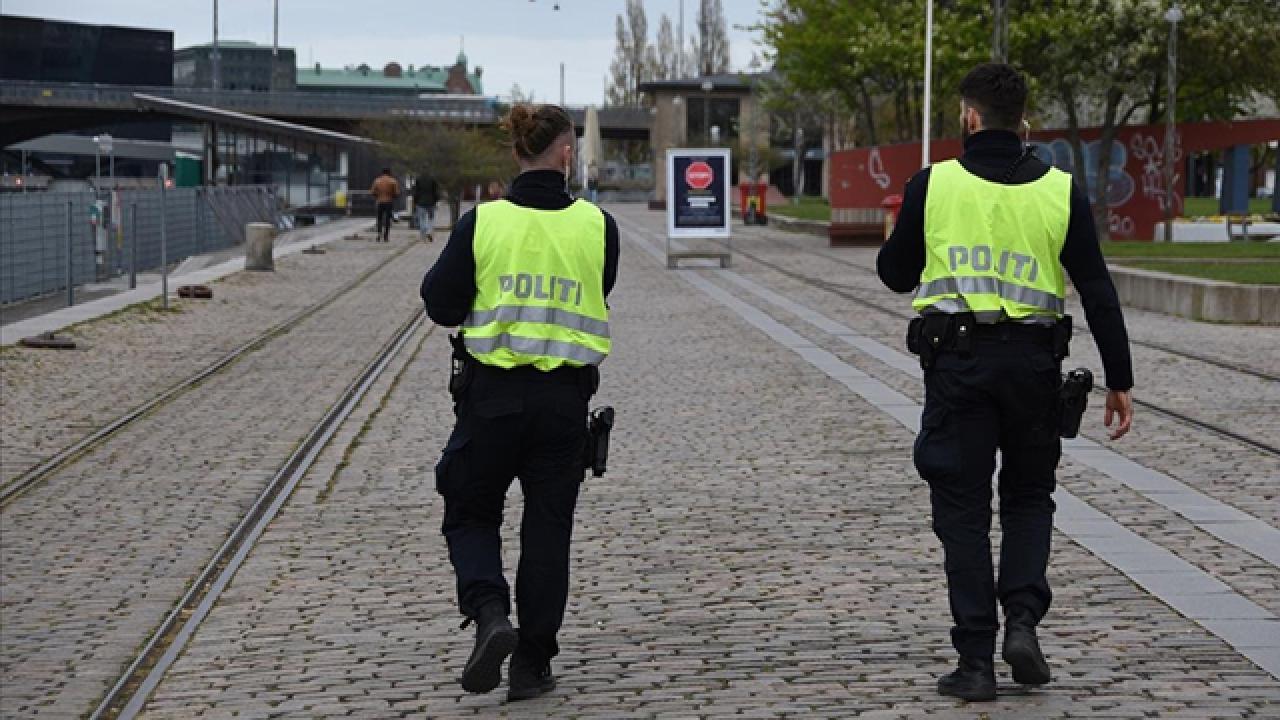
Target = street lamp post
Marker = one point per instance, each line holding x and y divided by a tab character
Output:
707	87
928	82
106	144
215	56
1173	16
678	138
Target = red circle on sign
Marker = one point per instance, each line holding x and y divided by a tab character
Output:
699	175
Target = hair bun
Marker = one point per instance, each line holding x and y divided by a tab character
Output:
534	128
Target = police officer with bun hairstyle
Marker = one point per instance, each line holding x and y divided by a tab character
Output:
983	242
525	277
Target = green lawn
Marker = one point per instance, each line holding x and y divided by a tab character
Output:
1191	250
1259	273
1204	206
809	208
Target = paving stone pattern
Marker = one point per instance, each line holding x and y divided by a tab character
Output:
1223	468
96	555
52	399
1194	457
760	548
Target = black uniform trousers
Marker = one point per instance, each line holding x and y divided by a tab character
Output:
1001	395
532	425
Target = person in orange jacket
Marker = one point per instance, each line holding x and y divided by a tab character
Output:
385	190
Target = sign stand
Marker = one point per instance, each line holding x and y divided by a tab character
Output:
698	203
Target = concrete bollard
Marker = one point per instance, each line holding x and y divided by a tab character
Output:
259	239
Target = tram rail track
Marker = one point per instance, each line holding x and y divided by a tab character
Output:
128	695
1222	364
842	291
34	475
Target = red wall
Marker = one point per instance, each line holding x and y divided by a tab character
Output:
862	177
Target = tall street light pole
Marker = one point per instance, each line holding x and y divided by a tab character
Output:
928	82
275	43
1173	16
106	144
1000	31
215	57
680	44
707	87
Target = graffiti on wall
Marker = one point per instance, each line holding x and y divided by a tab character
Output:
1151	152
1136	196
1120	184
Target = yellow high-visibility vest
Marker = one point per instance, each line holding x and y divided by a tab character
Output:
993	249
539	287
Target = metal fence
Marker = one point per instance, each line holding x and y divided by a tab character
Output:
40	231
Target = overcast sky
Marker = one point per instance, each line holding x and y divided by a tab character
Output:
515	41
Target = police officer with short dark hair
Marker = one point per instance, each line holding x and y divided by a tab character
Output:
983	242
526	277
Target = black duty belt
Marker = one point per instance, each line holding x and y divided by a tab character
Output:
1014	332
563	375
931	334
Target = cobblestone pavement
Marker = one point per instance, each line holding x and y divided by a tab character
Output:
94	556
1226	469
759	548
1222	468
52	399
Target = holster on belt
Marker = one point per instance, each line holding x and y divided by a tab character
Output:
462	368
596	450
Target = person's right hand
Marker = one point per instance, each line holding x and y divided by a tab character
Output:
1119	408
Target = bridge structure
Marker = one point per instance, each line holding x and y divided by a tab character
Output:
307	143
33	109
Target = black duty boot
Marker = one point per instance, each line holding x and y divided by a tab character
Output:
495	640
973	680
529	679
1022	650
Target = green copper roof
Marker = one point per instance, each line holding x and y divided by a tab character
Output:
426	78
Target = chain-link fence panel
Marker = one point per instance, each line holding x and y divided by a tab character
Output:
193	221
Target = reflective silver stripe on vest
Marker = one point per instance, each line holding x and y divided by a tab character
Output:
533	314
993	286
952	306
544	347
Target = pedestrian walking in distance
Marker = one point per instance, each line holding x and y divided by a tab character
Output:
526	278
385	190
984	241
426	194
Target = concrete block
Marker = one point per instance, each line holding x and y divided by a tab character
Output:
1198	299
259	246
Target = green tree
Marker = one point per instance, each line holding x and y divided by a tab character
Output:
634	59
457	156
1091	63
711	45
665	54
868	57
1103	62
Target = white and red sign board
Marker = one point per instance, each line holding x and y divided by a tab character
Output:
698	192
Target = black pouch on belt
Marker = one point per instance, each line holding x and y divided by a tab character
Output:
915	330
1062	338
